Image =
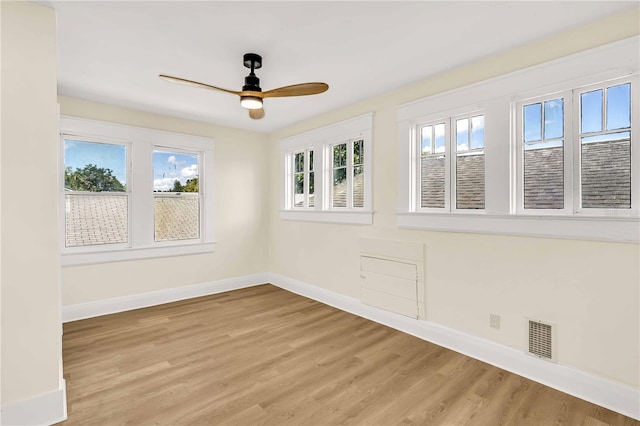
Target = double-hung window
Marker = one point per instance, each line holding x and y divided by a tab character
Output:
347	159
450	171
327	173
131	193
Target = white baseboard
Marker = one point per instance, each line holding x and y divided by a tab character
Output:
612	395
136	301
45	409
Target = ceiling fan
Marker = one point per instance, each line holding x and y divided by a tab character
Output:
251	95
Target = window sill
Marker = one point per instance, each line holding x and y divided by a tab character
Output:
616	229
120	255
341	217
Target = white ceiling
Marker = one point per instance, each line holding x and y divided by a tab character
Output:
112	52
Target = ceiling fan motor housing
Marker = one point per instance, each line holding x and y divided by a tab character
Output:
253	61
251	83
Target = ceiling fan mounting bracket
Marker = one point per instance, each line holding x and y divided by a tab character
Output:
252	61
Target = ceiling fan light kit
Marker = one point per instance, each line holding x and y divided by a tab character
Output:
251	102
251	96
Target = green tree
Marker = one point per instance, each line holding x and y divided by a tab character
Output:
191	185
93	179
177	186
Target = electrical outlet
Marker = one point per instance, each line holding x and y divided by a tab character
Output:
494	321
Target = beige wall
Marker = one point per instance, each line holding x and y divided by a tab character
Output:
30	274
589	289
241	173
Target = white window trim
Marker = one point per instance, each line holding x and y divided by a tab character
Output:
497	98
141	143
320	140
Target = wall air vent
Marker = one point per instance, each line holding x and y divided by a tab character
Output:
541	339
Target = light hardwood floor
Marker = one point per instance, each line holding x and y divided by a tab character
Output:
263	355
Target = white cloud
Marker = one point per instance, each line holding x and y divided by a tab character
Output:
171	159
189	172
163	184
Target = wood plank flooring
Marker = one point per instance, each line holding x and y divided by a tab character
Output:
264	356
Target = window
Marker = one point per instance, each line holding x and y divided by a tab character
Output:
542	154
327	173
561	158
303	179
96	197
446	181
176	195
605	147
347	188
574	152
124	197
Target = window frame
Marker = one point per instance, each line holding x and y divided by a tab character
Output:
567	144
321	141
634	129
450	160
127	193
178	195
306	172
142	142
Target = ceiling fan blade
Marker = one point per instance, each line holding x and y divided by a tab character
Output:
195	83
256	114
301	89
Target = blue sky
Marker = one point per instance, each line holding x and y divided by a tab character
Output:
167	166
78	154
171	166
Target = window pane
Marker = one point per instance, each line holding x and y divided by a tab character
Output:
95	219
619	107
177	218
591	111
298	189
553	119
477	132
311	188
340	155
462	135
298	162
544	176
94	167
470	181
606	171
340	187
358	152
438	131
175	172
532	122
311	160
432	181
425	133
358	186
